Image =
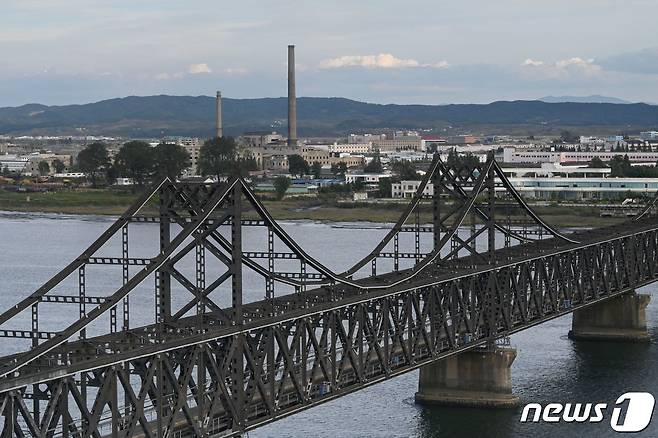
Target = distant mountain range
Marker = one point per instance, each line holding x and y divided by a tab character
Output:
155	116
595	98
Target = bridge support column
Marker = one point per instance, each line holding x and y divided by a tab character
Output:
622	318
477	378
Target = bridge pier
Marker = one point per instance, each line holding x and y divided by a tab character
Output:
621	318
476	378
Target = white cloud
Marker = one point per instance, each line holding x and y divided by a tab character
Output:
532	63
383	60
562	69
196	69
575	62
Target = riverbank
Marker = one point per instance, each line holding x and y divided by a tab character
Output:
110	202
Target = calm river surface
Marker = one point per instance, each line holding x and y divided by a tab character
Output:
549	367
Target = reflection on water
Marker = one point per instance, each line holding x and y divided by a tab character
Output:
548	368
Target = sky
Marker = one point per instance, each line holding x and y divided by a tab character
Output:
417	51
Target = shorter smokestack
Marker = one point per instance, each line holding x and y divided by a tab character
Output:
292	98
218	113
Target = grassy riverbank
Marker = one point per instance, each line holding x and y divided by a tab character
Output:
113	202
82	201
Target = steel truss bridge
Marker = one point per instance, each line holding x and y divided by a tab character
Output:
174	347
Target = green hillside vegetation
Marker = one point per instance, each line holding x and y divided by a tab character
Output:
153	116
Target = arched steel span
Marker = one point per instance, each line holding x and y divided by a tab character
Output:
122	292
439	167
430	258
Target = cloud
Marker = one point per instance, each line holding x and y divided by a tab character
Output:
532	62
196	69
383	60
575	62
561	69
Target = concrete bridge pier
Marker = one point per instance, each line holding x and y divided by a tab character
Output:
621	318
475	378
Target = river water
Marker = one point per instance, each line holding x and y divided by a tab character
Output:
549	367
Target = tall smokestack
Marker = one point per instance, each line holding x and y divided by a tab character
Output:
292	98
218	113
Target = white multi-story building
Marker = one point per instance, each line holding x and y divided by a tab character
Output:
13	163
591	141
407	189
556	170
351	148
548	188
511	155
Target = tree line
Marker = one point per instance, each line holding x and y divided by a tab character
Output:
142	162
621	167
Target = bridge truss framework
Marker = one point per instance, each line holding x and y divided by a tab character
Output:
201	369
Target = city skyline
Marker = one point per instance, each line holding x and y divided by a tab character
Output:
429	52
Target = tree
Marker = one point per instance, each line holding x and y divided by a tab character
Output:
170	160
44	168
385	188
458	161
596	163
620	167
281	184
218	156
244	165
136	160
569	137
316	169
406	170
375	165
339	169
297	165
59	166
92	160
111	174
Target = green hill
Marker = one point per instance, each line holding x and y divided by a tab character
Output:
153	116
